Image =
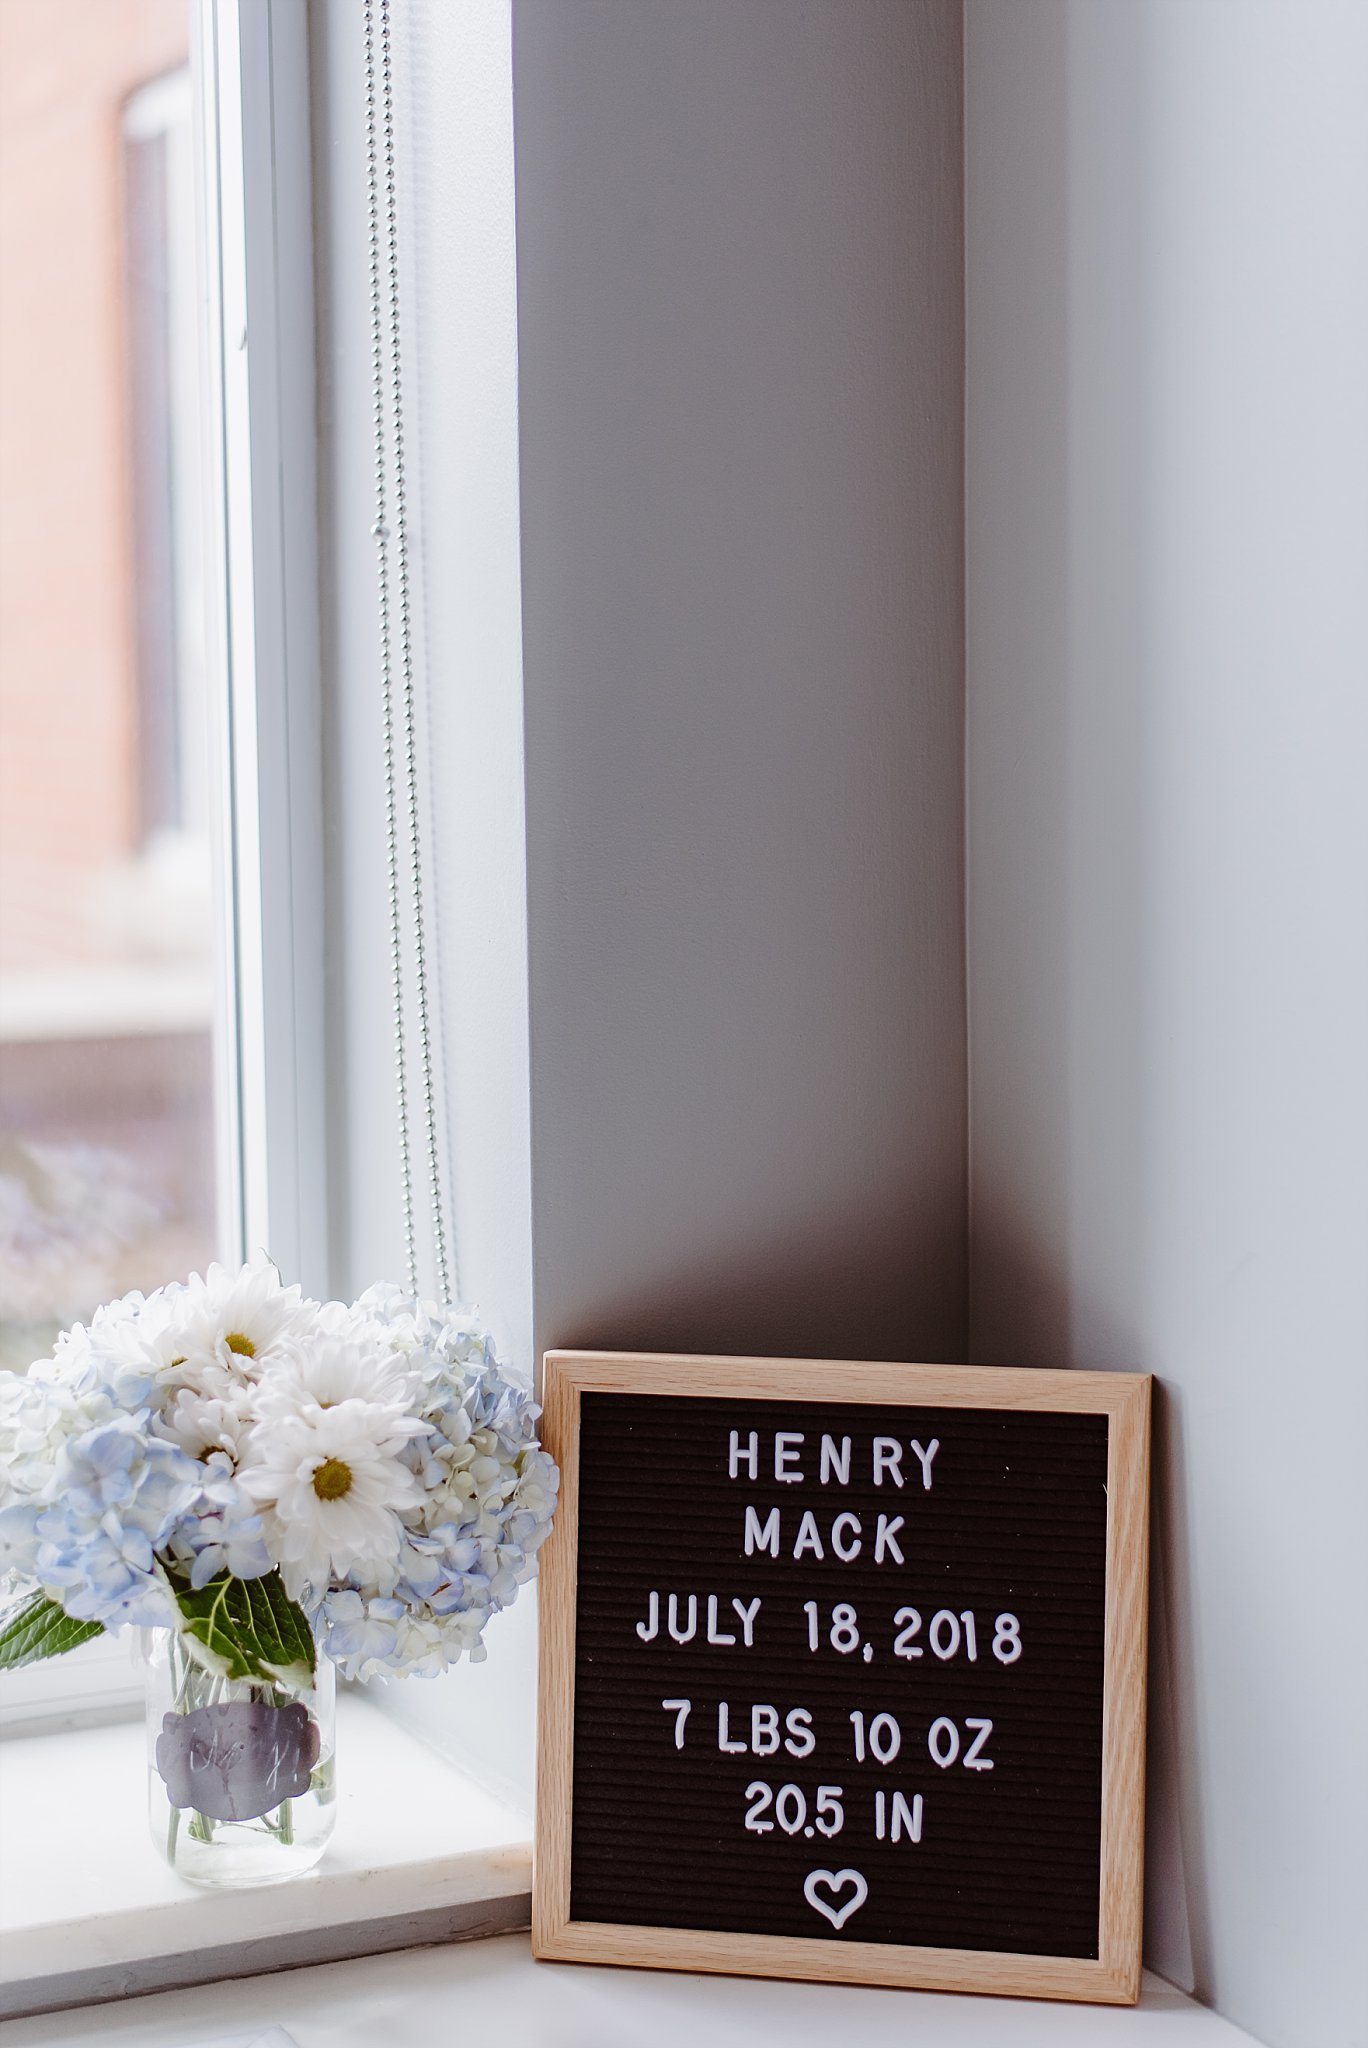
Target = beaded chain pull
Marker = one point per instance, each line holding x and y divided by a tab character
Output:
403	826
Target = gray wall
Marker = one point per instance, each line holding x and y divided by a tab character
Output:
739	324
726	1107
1168	754
740	345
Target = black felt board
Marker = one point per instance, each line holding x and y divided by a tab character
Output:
1014	1523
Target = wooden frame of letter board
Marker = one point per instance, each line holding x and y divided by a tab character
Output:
1114	1977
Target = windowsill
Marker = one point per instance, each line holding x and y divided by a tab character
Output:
493	1991
421	1855
88	1910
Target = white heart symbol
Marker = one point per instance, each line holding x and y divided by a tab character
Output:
835	1881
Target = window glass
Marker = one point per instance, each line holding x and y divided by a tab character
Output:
107	946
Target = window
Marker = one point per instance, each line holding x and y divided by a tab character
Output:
160	872
106	1002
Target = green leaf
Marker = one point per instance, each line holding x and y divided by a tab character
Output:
247	1628
40	1627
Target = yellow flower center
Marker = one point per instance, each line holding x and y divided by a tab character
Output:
332	1479
243	1346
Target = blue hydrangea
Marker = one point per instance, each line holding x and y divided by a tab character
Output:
224	1534
362	1632
120	1495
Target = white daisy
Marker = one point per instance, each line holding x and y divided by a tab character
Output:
330	1484
330	1369
203	1424
236	1321
151	1336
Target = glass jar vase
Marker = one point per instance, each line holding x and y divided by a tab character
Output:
239	1774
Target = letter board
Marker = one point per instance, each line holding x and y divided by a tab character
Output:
843	1672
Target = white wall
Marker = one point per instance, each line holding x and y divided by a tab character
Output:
740	301
1167	243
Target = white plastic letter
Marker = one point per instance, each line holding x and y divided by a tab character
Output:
887	1458
766	1538
714	1635
808	1538
943	1742
886	1538
784	1457
746	1615
723	1740
672	1618
924	1458
972	1760
905	1821
750	1457
836	1464
649	1629
764	1730
846	1553
800	1740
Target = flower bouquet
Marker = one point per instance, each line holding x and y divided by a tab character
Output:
269	1487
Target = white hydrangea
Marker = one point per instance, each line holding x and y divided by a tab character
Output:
486	1496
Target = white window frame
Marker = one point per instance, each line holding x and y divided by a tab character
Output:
249	70
252	73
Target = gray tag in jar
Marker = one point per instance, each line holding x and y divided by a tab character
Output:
237	1760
